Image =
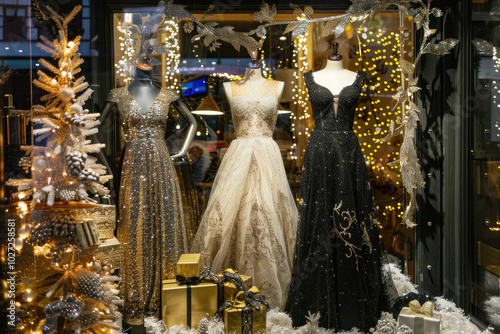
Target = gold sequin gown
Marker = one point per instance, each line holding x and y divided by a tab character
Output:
150	226
251	217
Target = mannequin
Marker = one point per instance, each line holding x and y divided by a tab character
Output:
250	220
253	76
334	76
338	218
151	229
144	91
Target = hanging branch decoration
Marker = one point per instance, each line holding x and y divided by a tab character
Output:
67	170
411	172
210	34
140	38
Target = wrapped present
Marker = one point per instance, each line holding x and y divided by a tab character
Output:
189	265
187	301
421	319
234	283
246	314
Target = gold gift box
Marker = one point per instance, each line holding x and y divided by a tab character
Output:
230	290
189	265
175	303
233	320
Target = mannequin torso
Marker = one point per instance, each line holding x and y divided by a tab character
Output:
143	89
252	77
334	76
145	92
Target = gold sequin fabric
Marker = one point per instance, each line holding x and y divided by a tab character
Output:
250	220
150	226
338	259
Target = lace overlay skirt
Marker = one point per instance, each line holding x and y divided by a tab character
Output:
250	221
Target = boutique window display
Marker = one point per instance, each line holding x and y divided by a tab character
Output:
245	139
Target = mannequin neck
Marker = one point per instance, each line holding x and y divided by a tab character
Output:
143	89
143	75
334	65
142	80
254	75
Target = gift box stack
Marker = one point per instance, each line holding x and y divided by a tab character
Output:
196	293
421	319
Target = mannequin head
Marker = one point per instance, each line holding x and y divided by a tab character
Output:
335	55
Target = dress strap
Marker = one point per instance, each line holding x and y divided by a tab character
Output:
360	78
308	78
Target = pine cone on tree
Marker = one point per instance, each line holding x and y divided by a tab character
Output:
90	284
75	162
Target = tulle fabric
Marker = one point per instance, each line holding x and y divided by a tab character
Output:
250	220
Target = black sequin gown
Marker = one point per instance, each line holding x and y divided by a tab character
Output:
338	255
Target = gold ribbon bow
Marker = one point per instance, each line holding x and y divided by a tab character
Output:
229	270
427	310
241	298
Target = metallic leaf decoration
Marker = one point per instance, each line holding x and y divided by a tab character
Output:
436	12
261	32
207	14
414	89
418	19
390	134
340	28
212	35
329	28
442	48
393	163
411	172
300	30
297	28
296	10
160	48
188	27
403	9
407	67
483	47
172	10
308	10
292	26
266	12
154	62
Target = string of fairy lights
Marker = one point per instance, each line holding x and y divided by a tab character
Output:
129	54
173	56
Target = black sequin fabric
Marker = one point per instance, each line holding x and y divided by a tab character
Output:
338	256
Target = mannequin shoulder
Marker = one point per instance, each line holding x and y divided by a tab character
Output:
170	94
227	87
115	94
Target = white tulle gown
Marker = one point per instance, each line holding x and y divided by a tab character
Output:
250	221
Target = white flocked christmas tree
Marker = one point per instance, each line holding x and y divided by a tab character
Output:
64	170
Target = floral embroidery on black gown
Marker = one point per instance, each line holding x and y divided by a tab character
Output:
339	254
